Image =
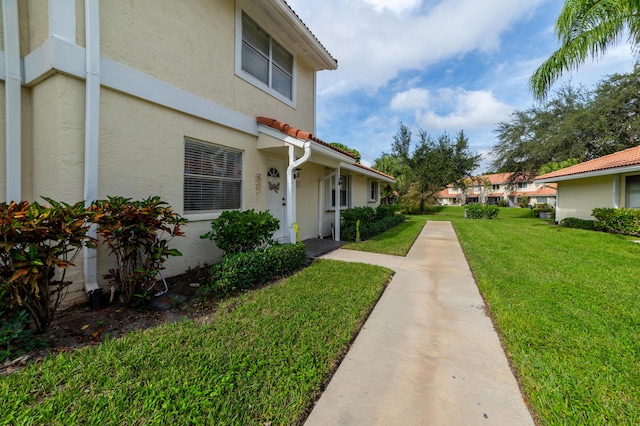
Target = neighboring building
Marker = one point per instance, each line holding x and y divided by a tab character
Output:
609	181
493	188
170	98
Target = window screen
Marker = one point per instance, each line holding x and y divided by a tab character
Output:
212	177
265	59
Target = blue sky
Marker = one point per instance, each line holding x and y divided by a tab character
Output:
437	65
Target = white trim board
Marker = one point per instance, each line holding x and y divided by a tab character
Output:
58	55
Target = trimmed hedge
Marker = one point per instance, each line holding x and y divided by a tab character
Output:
479	211
574	222
242	271
372	228
618	221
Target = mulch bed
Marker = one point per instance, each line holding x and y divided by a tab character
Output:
81	325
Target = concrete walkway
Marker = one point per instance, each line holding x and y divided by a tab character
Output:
428	354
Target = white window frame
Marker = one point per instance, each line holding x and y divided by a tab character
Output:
523	185
265	87
346	179
199	173
628	193
373	189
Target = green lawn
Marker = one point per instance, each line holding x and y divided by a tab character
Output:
396	241
567	304
261	359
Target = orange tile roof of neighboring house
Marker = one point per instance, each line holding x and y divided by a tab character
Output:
496	178
306	136
628	157
446	194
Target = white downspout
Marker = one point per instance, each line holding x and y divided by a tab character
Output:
92	131
291	192
616	189
336	218
13	102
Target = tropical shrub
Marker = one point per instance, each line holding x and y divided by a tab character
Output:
617	221
15	335
574	222
37	245
369	229
238	231
241	271
351	215
137	233
479	211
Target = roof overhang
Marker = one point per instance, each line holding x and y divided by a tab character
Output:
288	26
369	173
596	173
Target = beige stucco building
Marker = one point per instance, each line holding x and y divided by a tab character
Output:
495	188
609	181
162	97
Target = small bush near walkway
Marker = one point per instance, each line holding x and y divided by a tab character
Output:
242	271
371	222
479	211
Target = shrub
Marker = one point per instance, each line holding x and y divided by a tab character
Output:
135	233
618	221
15	335
37	245
574	222
241	271
479	211
352	215
241	231
383	211
372	228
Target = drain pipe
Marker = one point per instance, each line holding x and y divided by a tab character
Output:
291	191
91	141
13	102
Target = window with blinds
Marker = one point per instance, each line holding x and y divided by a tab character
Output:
265	59
212	177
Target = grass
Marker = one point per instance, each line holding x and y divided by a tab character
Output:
261	359
567	304
396	241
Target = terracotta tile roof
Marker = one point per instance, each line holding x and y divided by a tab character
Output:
307	136
628	157
312	34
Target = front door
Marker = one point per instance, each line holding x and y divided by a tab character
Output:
277	195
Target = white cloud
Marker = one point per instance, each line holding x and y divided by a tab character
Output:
411	99
373	43
397	6
470	110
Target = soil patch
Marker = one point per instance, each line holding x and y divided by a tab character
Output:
81	325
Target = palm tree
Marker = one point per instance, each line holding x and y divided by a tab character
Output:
586	28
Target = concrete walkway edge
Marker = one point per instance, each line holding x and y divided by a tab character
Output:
428	353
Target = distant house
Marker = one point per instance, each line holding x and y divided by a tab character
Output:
493	188
174	99
609	181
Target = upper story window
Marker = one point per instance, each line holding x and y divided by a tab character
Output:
264	62
212	177
523	185
496	187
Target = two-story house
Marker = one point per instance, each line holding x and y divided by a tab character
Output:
184	100
495	189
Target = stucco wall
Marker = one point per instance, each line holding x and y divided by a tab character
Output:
577	198
194	48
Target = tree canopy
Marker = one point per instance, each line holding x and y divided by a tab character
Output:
573	125
586	28
434	162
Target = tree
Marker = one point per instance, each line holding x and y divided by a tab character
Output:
395	167
586	28
574	125
354	152
554	131
435	163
